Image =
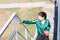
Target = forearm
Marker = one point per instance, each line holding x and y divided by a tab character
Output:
28	22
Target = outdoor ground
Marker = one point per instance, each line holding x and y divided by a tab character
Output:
28	14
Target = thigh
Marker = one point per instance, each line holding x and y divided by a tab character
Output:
39	37
46	38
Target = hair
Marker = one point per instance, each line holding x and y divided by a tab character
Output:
42	14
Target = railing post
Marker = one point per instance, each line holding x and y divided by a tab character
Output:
26	33
32	38
15	27
35	36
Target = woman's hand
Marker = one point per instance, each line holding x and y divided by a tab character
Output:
46	33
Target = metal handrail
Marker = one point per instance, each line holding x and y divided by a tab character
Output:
7	24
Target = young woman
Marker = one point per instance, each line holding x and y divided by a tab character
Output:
42	24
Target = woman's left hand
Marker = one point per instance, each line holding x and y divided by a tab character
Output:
46	33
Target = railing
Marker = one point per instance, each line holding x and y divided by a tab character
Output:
15	17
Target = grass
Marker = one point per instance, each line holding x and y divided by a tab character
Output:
24	14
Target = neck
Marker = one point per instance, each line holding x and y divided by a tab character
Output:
43	21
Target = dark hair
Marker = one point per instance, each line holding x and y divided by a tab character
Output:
42	14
